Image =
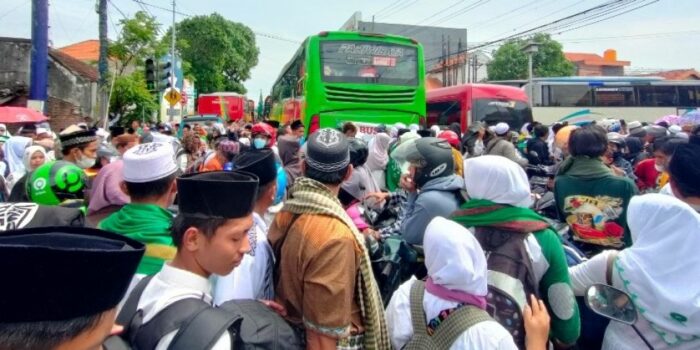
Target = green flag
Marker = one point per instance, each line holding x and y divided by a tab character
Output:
260	106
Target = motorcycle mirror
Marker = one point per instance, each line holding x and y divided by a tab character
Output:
611	303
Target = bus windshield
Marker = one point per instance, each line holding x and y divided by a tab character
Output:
492	111
369	63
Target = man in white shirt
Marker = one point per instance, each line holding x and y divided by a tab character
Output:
253	278
211	235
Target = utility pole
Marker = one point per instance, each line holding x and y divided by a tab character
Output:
103	64
40	55
174	60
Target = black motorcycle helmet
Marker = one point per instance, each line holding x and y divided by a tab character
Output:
433	157
359	151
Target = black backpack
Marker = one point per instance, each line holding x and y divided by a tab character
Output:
251	324
511	278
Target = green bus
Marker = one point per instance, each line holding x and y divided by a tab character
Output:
365	78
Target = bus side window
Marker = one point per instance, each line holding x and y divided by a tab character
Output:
687	96
444	113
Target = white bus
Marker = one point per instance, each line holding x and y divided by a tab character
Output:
580	99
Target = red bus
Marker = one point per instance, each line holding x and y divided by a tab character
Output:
230	106
470	103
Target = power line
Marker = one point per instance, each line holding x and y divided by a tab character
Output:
439	12
401	9
489	22
607	18
460	12
14	9
117	8
266	35
387	7
607	6
562	22
630	37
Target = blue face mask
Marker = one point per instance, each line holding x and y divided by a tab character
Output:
259	143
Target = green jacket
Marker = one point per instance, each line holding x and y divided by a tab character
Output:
594	203
554	285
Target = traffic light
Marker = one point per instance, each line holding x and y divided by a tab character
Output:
165	75
150	74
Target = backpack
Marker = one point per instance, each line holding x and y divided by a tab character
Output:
511	278
448	331
251	324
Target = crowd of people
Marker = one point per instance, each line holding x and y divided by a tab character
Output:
146	235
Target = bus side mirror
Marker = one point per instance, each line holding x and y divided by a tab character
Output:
611	303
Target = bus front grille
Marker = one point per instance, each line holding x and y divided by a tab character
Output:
338	94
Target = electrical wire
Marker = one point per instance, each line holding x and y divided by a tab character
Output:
384	9
459	12
630	37
401	9
262	34
8	12
579	17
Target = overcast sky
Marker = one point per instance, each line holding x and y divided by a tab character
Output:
662	35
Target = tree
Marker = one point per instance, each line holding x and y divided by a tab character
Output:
220	52
137	41
510	62
131	100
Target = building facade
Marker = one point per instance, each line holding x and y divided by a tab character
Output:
72	86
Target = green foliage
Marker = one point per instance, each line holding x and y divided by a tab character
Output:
131	100
220	52
510	62
137	41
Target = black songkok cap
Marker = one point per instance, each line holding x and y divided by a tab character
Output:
217	194
327	151
74	136
60	273
260	163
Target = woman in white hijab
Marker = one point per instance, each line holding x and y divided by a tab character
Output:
499	198
457	278
34	157
378	158
660	270
14	152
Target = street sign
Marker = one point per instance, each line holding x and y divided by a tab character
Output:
172	96
172	112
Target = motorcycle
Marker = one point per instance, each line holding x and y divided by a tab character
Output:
393	260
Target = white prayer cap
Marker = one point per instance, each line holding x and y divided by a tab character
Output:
501	128
100	132
633	125
149	162
674	129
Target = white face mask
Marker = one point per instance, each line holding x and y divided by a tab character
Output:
659	168
85	162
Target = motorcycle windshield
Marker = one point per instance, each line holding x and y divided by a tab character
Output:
405	154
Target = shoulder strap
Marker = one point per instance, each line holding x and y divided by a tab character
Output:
278	252
457	323
115	342
168	320
609	267
204	329
417	313
126	314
